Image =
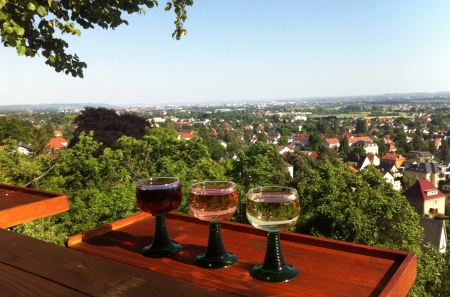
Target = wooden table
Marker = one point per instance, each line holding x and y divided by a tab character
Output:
327	267
19	205
30	267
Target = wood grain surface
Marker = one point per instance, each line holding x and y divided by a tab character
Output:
19	205
326	267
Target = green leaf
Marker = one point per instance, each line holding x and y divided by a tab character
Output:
31	6
42	11
21	50
3	16
19	31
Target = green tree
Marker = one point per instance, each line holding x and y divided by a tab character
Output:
444	151
215	148
357	150
283	140
233	140
344	148
363	208
361	126
35	27
11	127
314	141
259	164
48	128
39	140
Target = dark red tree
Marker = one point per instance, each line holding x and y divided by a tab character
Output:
108	126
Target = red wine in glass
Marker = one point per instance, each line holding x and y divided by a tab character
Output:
158	195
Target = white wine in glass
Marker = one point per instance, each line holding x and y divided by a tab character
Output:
273	209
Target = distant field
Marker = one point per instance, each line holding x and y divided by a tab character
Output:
361	114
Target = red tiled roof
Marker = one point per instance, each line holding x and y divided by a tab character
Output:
314	155
332	140
356	139
57	143
186	135
420	189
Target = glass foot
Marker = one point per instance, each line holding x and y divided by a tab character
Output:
282	274
167	250
222	261
162	245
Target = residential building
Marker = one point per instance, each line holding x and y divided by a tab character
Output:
282	149
445	188
435	233
331	143
396	159
390	179
360	162
369	146
391	168
433	172
425	198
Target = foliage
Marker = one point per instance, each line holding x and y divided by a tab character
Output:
361	126
39	140
108	126
19	169
339	204
344	148
336	203
215	149
34	27
11	127
259	164
314	141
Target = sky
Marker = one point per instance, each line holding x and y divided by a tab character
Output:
245	50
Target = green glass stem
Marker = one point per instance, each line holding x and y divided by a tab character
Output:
216	255
274	258
274	268
215	246
162	245
161	237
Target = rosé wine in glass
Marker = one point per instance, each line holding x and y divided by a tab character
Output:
214	201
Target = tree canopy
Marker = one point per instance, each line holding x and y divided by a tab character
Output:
34	27
108	125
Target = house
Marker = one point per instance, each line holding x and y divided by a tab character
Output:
435	233
425	198
285	149
391	168
57	133
186	135
300	140
445	188
56	144
360	162
369	146
331	143
25	149
395	159
390	179
290	168
433	172
419	154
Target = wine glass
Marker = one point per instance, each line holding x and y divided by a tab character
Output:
273	209
158	195
214	201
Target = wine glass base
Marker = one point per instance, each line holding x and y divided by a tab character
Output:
167	250
283	274
223	261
